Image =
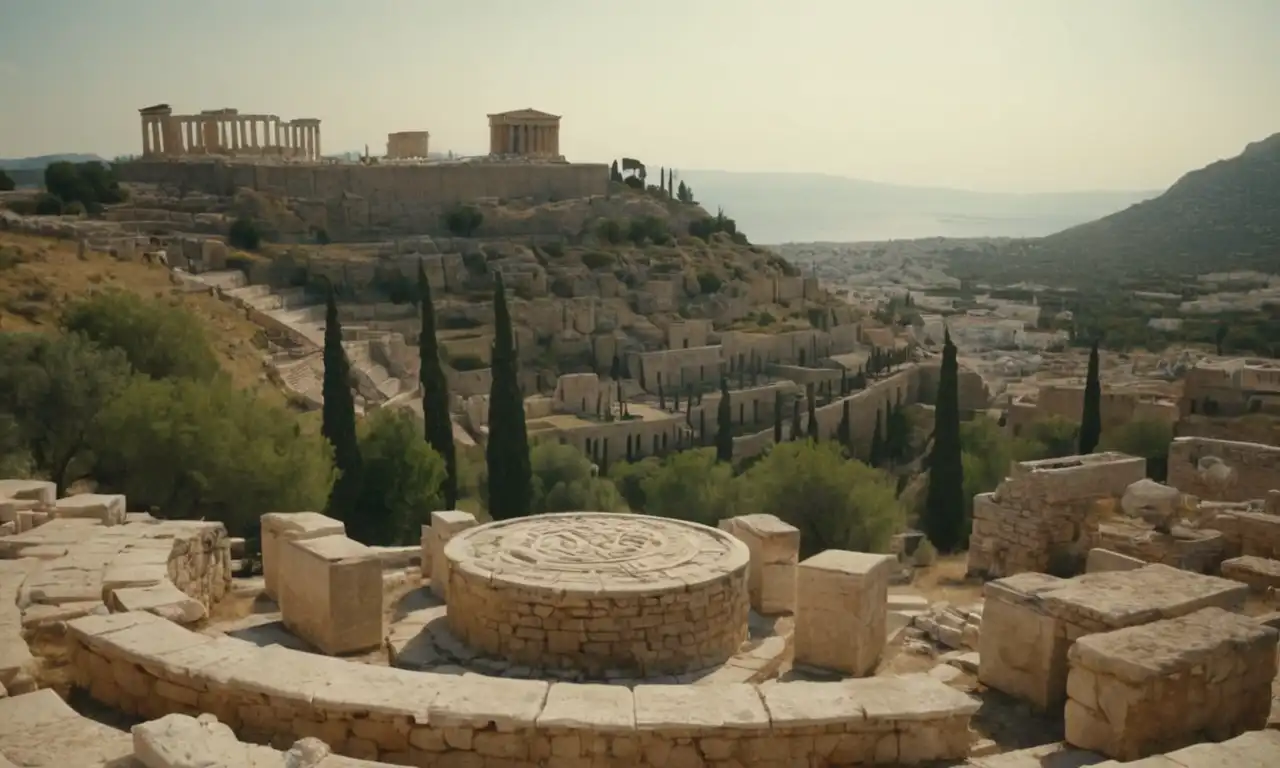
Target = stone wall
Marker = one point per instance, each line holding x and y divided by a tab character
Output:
392	198
635	635
145	666
1030	621
1044	517
1251	469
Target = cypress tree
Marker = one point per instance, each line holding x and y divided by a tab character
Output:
702	427
507	452
943	516
435	391
812	400
795	419
777	417
1091	417
844	432
877	443
724	425
338	416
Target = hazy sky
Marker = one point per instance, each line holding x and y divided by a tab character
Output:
1012	95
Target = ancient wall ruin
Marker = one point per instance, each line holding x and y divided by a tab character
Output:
393	198
1223	470
1044	517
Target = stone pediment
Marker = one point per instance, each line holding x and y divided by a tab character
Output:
155	109
527	114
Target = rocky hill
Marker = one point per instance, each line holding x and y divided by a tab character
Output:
1223	217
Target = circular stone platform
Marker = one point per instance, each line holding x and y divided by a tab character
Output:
613	595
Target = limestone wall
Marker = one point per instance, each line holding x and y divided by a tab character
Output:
1044	517
381	196
695	629
676	369
1252	469
145	666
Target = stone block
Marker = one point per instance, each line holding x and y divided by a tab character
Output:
1029	621
445	525
108	508
331	593
1259	573
1165	685
163	599
1020	648
841	608
775	553
1105	560
279	527
42	492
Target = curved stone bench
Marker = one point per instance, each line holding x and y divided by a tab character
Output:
146	666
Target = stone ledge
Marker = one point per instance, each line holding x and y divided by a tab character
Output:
147	666
39	729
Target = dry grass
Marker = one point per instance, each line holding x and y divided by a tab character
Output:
945	580
40	276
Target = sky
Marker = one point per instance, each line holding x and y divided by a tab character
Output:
991	95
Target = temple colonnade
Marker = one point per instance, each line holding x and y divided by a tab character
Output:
227	132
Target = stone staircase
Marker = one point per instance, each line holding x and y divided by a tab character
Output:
301	368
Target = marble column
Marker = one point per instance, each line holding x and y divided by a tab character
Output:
317	141
146	138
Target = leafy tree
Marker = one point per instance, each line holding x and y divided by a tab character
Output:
724	425
692	485
15	459
630	477
54	389
1053	438
836	503
435	391
564	480
403	480
943	518
510	481
463	220
1147	438
1091	418
338	416
160	340
208	450
7	183
91	184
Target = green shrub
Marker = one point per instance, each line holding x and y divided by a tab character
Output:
244	234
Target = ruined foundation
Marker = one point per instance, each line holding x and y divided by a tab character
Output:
612	594
1161	686
1030	621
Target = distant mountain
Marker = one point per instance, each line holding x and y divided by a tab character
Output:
39	163
1225	216
805	207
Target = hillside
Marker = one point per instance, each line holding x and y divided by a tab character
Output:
40	276
1223	217
804	207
